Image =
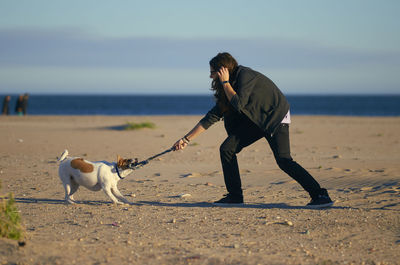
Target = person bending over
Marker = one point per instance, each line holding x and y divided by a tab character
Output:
252	107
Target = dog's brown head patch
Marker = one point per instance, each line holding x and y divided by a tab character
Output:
124	163
84	167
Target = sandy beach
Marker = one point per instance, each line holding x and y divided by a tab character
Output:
355	158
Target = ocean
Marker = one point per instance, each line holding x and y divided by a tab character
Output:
344	105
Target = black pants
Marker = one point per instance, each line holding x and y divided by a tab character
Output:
248	133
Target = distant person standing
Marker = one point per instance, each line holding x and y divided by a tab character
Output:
19	105
6	107
25	103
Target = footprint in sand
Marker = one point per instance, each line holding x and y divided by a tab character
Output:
191	175
336	169
377	170
283	182
366	188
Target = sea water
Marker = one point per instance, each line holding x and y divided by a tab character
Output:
347	105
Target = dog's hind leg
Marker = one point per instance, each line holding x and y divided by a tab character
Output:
68	198
66	180
74	188
118	194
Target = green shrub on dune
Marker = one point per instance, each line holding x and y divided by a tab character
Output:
10	226
137	126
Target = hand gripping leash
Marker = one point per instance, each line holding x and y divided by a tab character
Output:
140	164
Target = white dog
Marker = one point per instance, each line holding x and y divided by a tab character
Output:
75	171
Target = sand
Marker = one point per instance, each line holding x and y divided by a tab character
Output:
355	158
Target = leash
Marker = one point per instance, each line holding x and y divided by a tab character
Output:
119	175
140	164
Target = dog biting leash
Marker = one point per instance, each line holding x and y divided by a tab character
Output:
140	164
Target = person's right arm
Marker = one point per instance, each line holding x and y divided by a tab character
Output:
209	119
184	141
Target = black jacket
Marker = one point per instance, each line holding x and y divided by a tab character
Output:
257	97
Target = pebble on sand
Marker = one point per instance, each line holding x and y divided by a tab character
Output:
289	223
115	224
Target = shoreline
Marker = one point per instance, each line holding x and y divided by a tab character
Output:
183	115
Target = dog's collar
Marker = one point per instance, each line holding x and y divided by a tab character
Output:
116	169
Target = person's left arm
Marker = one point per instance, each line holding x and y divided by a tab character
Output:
245	84
223	75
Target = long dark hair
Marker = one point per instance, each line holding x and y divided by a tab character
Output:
226	60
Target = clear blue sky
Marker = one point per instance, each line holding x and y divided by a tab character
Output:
150	47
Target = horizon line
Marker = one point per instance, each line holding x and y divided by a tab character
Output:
189	94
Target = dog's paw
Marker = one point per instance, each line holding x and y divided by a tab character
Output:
123	203
70	202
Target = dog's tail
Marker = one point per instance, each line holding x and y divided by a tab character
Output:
63	156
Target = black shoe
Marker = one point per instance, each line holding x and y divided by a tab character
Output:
229	200
321	201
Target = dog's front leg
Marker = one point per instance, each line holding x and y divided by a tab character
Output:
107	190
118	194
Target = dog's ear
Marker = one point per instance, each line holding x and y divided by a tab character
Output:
120	161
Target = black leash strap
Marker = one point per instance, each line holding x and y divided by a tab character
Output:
140	164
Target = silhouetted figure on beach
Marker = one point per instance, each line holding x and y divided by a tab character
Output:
6	107
19	105
25	103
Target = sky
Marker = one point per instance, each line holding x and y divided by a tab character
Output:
163	47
